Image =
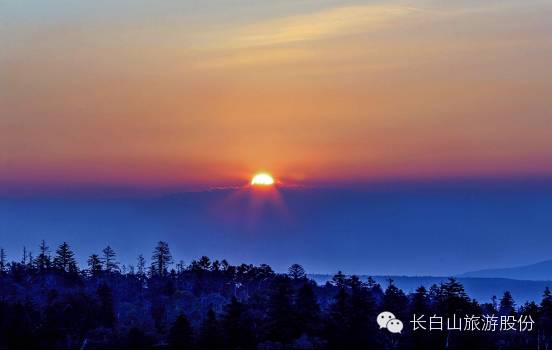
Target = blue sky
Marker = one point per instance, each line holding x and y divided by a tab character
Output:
431	229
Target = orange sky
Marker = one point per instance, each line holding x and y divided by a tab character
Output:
177	92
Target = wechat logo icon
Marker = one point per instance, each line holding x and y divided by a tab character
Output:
388	321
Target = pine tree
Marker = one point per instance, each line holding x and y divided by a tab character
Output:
307	310
204	263
530	337
362	314
507	305
107	315
546	303
494	303
281	319
180	335
180	267
453	288
420	305
94	265
43	260
30	262
339	279
237	326
435	294
545	322
109	260
296	271
337	323
224	265
161	259
370	282
209	334
141	267
65	259
24	257
420	301
395	300
3	262
375	289
215	266
454	299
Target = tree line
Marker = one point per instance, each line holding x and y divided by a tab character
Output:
47	301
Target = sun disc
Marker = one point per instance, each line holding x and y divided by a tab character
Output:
263	179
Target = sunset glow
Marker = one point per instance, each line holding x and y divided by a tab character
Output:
333	92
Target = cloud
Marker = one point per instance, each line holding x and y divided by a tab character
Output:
319	25
282	40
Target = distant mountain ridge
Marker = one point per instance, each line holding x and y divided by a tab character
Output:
537	271
526	283
482	289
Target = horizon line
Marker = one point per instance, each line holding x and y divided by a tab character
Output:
101	190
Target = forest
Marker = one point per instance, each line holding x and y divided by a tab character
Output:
47	301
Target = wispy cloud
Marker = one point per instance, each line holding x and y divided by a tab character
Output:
318	25
334	22
281	40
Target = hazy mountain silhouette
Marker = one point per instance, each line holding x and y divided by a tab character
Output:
482	289
537	271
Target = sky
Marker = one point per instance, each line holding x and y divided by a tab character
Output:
430	229
199	94
419	130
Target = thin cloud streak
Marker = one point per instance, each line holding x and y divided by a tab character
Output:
316	26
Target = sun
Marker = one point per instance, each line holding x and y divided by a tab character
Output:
263	179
